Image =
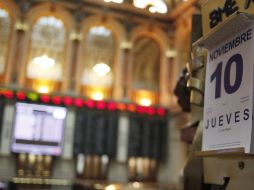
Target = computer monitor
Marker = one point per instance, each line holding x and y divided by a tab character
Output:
38	129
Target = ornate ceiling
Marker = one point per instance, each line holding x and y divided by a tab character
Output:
84	7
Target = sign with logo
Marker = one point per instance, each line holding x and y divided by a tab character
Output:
229	93
215	12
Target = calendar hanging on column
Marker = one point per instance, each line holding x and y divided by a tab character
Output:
229	92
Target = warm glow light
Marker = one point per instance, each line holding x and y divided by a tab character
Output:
97	96
153	5
136	185
114	1
145	102
101	69
121	106
171	53
131	108
44	62
111	187
3	13
43	89
145	98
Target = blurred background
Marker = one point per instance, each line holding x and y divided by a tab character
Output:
93	93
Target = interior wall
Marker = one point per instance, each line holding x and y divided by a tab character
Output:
172	170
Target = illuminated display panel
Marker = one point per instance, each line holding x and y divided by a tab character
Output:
38	129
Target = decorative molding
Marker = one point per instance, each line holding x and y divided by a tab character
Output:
76	36
21	26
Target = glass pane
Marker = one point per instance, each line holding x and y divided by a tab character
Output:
46	55
5	28
98	57
146	65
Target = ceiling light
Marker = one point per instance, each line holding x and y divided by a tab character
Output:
44	62
101	69
152	5
114	1
152	9
140	4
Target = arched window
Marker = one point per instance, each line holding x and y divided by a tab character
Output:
5	30
146	71
98	63
46	54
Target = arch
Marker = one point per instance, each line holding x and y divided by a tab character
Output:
146	56
153	32
13	14
161	38
11	7
49	9
119	36
108	22
31	18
